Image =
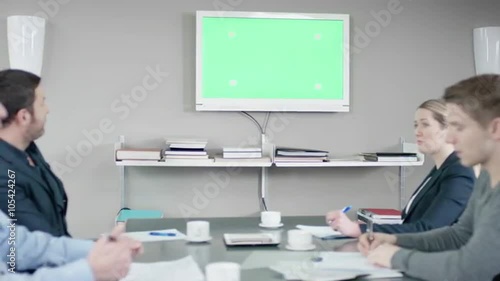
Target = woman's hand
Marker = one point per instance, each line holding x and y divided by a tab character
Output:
340	222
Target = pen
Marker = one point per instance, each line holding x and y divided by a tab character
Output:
369	229
156	233
344	210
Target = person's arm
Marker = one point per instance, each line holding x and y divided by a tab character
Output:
450	237
448	205
478	259
26	212
37	249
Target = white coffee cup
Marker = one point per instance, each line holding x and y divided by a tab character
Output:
198	230
223	271
270	218
298	238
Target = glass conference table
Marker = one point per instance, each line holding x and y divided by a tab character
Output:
255	260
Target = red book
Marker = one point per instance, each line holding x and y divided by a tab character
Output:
381	213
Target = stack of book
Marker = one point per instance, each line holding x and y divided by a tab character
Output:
241	152
390	157
148	154
185	149
379	216
299	155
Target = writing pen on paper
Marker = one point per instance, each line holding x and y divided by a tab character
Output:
344	210
157	233
369	230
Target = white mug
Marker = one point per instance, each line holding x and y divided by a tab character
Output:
298	238
198	230
222	271
270	218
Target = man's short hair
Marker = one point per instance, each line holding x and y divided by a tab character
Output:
478	96
17	91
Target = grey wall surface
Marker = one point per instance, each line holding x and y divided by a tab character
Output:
98	52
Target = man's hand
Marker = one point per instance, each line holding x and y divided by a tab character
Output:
382	255
340	222
111	256
365	245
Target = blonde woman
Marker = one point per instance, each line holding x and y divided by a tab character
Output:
443	194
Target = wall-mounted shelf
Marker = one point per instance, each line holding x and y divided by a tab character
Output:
350	163
267	163
194	163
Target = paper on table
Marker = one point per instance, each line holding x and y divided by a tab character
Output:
334	266
355	262
184	269
293	270
145	236
320	231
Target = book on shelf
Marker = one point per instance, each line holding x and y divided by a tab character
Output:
241	149
250	160
390	156
138	154
185	149
184	152
298	152
242	155
279	159
186	157
188	160
186	143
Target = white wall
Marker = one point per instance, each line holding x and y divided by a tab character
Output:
98	51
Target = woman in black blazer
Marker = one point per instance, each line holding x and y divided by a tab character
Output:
443	194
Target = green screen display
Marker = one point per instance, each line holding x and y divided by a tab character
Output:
260	58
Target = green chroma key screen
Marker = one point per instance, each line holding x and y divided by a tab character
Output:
260	58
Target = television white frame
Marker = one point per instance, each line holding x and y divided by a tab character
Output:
271	105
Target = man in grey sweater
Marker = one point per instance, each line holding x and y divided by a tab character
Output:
470	249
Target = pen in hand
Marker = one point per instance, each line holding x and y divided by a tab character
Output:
344	210
369	230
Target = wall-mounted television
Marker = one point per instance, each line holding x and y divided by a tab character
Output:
260	61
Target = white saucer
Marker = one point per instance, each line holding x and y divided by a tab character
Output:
199	240
270	226
310	247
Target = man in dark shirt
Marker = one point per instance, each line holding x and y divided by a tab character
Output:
29	191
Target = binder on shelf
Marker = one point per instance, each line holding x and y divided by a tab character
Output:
390	156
